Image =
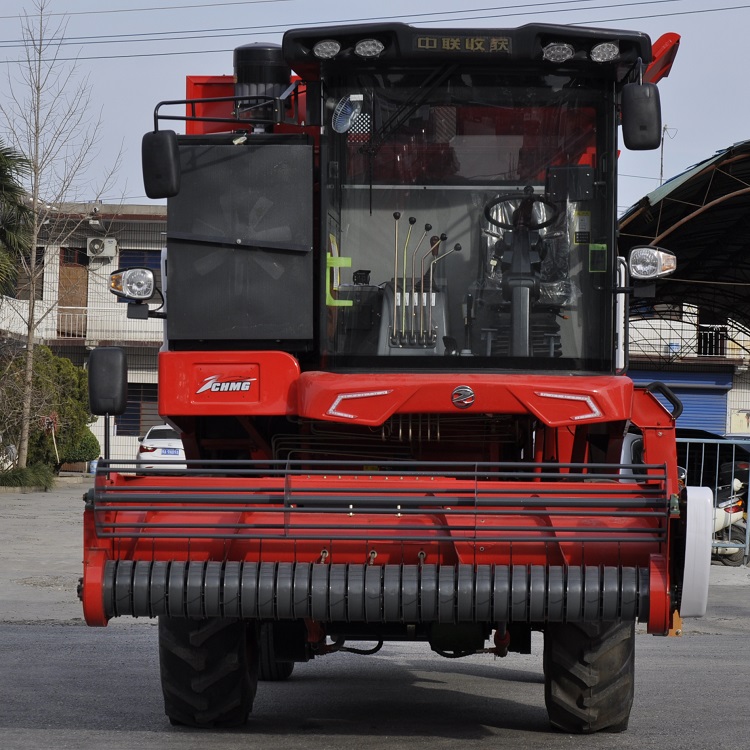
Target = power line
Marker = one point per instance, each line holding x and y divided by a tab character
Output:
256	30
253	2
668	15
144	10
638	176
503	11
432	15
265	30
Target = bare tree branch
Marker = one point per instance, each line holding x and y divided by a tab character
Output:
50	120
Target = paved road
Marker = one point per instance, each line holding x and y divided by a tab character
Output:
63	685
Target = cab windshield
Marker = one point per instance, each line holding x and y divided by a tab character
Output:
467	223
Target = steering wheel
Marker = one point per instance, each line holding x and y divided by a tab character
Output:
522	215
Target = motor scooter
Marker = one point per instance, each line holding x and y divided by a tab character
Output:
730	523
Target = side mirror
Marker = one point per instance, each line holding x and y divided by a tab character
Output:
641	116
160	156
108	380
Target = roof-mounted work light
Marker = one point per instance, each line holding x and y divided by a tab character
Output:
369	48
326	49
558	52
605	52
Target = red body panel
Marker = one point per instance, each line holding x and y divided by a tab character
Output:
208	87
231	383
200	90
664	50
251	383
372	398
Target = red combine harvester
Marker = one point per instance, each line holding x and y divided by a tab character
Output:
395	338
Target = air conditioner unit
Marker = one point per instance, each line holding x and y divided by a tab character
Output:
101	247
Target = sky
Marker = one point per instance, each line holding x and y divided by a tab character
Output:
136	53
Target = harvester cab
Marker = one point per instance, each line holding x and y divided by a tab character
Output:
395	336
431	199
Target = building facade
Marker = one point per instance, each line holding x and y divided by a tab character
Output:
74	311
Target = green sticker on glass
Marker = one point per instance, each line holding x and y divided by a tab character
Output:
597	258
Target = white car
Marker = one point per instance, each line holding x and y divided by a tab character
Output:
161	447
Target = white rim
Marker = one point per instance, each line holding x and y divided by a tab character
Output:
700	506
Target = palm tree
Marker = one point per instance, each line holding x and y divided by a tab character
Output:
14	211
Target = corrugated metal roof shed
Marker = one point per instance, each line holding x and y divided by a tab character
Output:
703	216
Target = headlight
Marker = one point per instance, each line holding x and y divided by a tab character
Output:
558	52
132	283
605	52
651	262
369	48
326	49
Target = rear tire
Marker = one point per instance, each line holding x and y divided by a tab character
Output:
589	676
271	670
209	671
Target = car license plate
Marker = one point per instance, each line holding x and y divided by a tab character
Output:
170	452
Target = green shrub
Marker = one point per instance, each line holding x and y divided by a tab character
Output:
37	475
84	447
60	398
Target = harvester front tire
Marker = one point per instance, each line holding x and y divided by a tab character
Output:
589	676
209	671
271	670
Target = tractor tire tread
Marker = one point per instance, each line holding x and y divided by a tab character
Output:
589	676
206	677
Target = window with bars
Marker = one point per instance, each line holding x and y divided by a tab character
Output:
23	283
141	412
74	256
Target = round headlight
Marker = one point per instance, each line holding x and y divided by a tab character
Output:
644	263
605	52
326	49
133	283
369	48
649	262
558	52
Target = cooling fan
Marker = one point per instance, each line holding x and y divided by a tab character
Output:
346	112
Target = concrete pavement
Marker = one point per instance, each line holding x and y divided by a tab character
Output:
41	553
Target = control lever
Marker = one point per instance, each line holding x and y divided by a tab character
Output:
468	310
414	295
404	293
434	250
394	337
455	249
